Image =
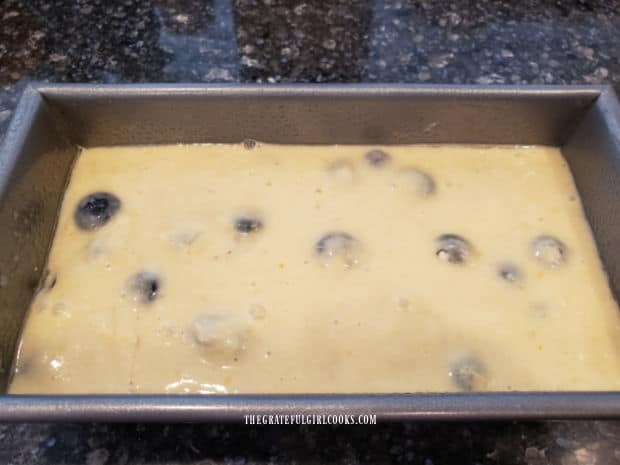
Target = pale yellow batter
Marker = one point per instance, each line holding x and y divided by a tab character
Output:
275	269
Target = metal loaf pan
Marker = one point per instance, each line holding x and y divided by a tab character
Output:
53	120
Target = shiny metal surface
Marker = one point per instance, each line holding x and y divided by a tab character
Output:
53	120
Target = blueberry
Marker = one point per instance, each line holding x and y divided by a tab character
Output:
377	158
248	224
95	210
145	286
421	183
48	281
223	333
468	373
184	238
549	250
452	248
509	272
341	171
340	246
249	144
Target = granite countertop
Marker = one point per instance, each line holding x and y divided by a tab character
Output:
432	41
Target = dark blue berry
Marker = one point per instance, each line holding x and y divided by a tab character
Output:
249	144
452	248
510	272
248	224
145	286
95	210
377	158
468	374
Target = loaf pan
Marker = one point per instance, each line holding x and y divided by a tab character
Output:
52	121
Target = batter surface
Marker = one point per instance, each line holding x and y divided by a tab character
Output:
258	268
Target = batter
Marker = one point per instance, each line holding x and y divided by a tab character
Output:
257	268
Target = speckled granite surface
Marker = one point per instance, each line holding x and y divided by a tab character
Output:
438	41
